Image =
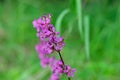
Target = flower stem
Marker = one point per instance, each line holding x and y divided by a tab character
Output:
62	62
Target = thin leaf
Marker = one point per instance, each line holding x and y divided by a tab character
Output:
60	19
79	15
87	43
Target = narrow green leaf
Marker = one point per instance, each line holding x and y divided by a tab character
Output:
60	18
87	44
79	15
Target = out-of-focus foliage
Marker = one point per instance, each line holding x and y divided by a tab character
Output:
19	60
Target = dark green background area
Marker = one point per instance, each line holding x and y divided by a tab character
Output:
20	61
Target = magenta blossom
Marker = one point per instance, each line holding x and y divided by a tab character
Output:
55	77
51	42
44	48
69	71
57	68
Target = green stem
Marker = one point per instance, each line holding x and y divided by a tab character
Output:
79	15
87	40
62	62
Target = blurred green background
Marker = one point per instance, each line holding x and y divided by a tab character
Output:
91	29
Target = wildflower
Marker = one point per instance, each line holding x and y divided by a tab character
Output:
44	48
59	41
50	42
44	62
58	67
55	77
70	72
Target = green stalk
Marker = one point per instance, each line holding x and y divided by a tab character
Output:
79	15
87	43
63	63
60	19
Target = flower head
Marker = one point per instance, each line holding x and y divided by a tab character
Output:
44	48
59	43
55	77
69	71
58	67
50	42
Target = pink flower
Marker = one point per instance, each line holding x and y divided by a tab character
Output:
47	32
59	43
35	23
58	67
44	48
49	42
44	62
55	77
70	72
44	19
52	61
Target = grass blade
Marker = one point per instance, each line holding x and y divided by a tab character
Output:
87	44
60	18
79	15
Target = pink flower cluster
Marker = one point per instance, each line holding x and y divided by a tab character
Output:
49	42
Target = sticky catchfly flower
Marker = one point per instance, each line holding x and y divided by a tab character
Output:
51	42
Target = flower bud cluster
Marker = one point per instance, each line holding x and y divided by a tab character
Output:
50	42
